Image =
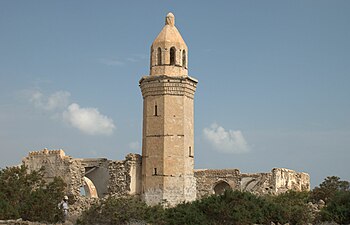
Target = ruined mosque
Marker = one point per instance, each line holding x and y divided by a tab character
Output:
164	173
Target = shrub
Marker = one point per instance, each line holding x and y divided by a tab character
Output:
232	207
28	196
114	210
338	208
290	207
328	188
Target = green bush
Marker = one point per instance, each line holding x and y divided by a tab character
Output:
232	207
290	207
115	210
186	213
27	196
338	208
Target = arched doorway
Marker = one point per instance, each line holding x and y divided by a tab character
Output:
221	187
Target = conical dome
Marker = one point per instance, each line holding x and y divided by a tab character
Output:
169	51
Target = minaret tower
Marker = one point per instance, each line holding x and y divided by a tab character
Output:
168	124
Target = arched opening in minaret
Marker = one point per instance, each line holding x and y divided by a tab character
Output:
159	56
184	58
221	187
172	55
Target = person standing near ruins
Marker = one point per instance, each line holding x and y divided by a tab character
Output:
63	205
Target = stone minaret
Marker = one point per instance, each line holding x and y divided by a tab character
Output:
168	124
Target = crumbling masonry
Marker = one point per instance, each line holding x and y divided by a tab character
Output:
90	177
100	177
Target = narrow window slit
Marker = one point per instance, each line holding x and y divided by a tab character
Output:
190	154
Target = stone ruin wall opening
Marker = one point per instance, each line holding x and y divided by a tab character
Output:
89	177
220	187
96	172
207	180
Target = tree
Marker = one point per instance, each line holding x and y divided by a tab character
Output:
336	194
327	189
338	208
27	195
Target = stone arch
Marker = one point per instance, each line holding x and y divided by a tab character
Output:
99	176
220	187
89	188
172	56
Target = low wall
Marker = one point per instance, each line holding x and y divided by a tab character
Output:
279	180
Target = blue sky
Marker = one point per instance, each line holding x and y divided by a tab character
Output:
273	90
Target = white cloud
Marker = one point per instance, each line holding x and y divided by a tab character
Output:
88	120
134	145
58	105
56	101
226	141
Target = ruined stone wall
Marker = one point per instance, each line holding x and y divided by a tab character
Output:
208	179
100	176
279	180
257	183
106	177
125	176
56	164
286	179
134	162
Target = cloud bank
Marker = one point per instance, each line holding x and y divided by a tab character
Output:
56	101
87	120
226	141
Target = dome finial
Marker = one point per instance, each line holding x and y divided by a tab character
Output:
170	19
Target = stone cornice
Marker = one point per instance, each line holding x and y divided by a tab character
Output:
168	85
